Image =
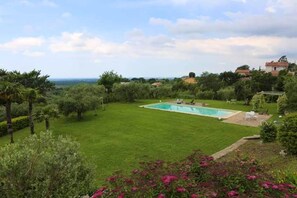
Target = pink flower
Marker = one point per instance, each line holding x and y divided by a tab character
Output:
194	196
161	196
122	195
180	189
99	192
134	188
203	164
168	179
251	177
232	193
275	187
265	185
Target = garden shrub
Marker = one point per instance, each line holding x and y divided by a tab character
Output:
268	132
282	103
287	134
206	95
196	176
44	167
258	102
17	124
226	93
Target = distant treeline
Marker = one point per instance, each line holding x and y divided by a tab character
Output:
69	82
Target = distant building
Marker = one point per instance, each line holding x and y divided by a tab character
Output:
275	67
243	72
157	84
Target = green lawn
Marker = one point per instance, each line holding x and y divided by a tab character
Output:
125	134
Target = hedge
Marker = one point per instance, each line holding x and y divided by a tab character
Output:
17	124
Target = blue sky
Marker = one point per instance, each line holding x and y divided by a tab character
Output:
144	38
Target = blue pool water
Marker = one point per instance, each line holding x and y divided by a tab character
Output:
213	112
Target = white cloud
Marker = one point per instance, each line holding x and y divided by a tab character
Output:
66	15
80	42
22	43
49	3
33	53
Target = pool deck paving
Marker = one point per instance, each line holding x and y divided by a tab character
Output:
241	120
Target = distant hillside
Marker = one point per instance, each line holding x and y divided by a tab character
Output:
63	82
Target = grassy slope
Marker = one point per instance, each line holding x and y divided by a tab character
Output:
125	134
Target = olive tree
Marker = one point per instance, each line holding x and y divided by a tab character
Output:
80	98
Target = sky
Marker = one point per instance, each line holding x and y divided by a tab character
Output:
144	38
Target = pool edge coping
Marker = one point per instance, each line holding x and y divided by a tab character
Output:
220	118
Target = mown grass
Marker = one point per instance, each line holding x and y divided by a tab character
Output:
125	134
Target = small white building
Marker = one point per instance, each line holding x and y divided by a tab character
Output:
275	67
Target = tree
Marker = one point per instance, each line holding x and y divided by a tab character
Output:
10	91
229	77
108	78
209	82
291	93
243	90
127	92
36	85
243	67
47	112
80	98
262	81
192	75
258	102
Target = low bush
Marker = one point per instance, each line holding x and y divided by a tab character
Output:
205	95
226	93
287	134
17	124
258	102
282	103
44	167
268	132
196	176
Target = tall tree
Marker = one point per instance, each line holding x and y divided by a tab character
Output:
229	77
10	91
209	82
108	78
36	84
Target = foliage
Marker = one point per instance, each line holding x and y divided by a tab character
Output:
44	167
291	93
258	102
210	82
226	93
206	95
192	75
127	92
17	110
287	134
108	78
229	77
164	91
282	103
243	67
243	90
287	177
262	81
80	98
17	124
268	132
47	112
196	176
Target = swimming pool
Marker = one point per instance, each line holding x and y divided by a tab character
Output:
190	109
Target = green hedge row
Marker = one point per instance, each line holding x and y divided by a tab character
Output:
17	124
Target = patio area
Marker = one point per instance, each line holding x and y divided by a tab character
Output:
240	119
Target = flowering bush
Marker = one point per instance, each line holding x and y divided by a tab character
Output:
196	176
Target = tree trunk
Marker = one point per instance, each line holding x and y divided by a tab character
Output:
8	120
79	115
31	123
47	124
